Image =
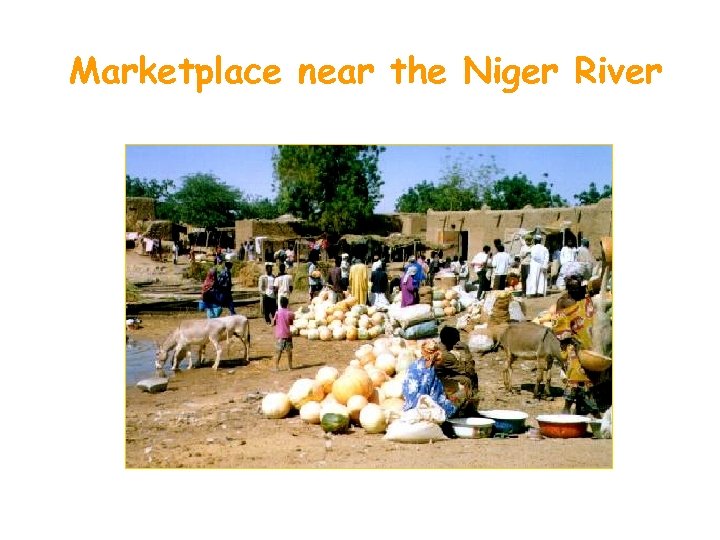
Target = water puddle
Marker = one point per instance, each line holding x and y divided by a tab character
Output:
140	362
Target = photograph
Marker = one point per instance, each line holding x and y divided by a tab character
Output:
368	306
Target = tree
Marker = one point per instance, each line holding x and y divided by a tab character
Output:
591	195
158	190
258	208
205	201
513	193
336	187
460	187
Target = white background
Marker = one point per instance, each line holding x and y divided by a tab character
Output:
62	448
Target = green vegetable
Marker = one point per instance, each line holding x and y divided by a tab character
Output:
334	423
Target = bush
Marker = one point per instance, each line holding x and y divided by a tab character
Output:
132	293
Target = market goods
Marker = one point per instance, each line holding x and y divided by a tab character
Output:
276	405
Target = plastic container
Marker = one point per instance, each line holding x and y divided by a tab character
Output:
507	422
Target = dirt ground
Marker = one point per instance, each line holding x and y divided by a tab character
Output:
211	419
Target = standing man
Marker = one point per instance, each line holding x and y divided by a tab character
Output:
525	263
567	256
266	286
345	271
585	259
539	261
434	267
314	275
176	251
500	264
335	280
481	265
359	282
379	281
224	286
283	284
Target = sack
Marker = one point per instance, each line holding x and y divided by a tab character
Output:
421	330
480	343
407	316
426	410
413	432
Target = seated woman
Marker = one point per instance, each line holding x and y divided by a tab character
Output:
456	370
422	379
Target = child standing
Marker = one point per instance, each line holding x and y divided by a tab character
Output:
282	320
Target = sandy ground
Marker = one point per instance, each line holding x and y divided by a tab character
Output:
211	419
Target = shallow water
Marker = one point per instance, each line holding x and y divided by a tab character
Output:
140	362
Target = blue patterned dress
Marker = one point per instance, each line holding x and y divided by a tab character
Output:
423	380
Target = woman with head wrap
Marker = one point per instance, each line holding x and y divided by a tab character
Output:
210	301
422	379
407	287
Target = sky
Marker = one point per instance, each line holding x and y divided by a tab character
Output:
570	168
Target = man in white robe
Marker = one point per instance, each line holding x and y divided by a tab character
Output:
567	256
539	260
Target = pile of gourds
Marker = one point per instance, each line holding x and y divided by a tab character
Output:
445	302
346	319
367	393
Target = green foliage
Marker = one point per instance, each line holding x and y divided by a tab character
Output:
132	293
336	187
158	190
591	195
461	187
197	270
258	208
513	193
205	201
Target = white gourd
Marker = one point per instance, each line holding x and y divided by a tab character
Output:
276	405
372	418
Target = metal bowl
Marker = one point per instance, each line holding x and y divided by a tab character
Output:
563	426
472	428
506	421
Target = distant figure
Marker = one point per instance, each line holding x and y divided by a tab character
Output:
224	286
191	255
539	261
525	263
209	300
314	275
335	280
345	271
241	254
500	264
407	287
266	286
455	265
176	251
283	284
359	281
379	285
567	256
480	264
290	257
282	321
585	259
463	273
